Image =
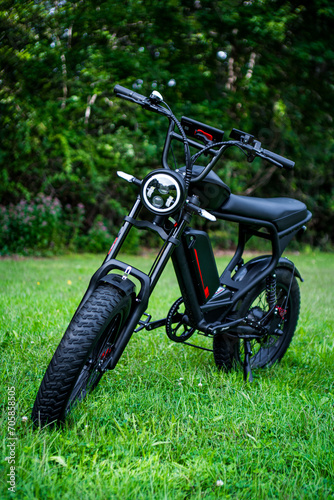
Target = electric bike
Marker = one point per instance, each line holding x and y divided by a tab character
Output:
250	311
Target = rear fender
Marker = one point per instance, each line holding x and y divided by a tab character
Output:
255	266
287	264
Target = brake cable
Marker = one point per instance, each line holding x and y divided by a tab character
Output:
187	156
228	144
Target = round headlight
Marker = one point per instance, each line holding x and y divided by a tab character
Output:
163	191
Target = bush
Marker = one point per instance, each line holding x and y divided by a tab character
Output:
98	238
40	225
44	226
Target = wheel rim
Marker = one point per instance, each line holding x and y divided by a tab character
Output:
91	371
265	349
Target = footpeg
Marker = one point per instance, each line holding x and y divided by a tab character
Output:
143	323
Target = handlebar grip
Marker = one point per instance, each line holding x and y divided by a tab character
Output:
127	93
289	164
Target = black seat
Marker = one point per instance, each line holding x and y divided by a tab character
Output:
283	212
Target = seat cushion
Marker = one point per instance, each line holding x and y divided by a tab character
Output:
283	212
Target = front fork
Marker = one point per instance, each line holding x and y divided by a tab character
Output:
147	281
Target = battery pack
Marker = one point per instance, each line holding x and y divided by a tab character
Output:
202	264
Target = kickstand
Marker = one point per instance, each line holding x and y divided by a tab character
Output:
247	367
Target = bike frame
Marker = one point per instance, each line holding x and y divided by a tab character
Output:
252	305
175	246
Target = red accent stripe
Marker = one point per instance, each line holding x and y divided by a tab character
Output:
112	246
206	289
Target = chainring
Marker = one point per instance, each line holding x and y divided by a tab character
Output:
181	332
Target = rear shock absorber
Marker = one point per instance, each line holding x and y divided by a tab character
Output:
271	290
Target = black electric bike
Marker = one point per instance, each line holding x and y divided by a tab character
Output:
250	311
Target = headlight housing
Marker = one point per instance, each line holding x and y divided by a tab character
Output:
163	191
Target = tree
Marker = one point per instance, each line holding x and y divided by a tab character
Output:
263	66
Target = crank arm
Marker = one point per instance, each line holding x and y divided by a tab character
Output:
150	325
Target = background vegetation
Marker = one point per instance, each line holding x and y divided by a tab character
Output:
165	424
265	66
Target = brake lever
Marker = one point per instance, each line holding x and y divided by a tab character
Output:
155	107
256	150
274	162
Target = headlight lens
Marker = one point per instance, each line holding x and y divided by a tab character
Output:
157	202
163	191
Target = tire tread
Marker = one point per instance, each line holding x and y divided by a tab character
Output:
71	354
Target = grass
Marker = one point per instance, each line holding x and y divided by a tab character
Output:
165	424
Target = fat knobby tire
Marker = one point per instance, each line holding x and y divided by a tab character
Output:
82	335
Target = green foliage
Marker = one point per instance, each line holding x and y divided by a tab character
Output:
64	134
98	238
44	226
31	225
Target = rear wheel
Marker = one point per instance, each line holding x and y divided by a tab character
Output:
76	367
270	348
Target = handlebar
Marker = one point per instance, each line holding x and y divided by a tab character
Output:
285	162
244	141
250	144
125	93
149	103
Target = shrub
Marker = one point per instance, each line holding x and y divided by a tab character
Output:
98	238
44	226
39	225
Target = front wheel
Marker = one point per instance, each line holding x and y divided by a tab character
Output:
229	352
75	369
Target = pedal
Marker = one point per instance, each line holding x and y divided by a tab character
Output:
143	323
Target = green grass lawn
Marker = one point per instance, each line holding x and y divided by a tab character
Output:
165	424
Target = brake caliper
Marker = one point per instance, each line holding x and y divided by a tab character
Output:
281	312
